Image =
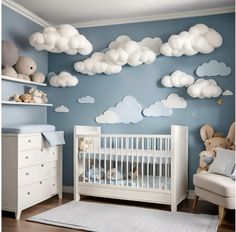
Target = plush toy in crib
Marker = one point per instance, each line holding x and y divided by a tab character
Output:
135	173
85	144
211	141
94	173
111	174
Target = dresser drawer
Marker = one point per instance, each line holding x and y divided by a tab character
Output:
30	142
31	194
38	172
39	156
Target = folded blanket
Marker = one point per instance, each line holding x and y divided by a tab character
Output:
54	137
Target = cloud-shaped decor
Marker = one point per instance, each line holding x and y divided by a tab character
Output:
177	79
61	109
63	79
62	38
204	89
126	111
120	52
198	39
213	68
157	109
227	92
86	100
174	101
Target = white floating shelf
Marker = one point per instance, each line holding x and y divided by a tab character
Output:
6	78
24	104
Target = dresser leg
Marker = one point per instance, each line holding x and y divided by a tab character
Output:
17	214
59	196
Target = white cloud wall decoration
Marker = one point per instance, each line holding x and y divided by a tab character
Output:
120	52
129	110
86	100
174	101
213	68
177	79
204	89
227	92
198	39
61	109
63	38
63	79
157	109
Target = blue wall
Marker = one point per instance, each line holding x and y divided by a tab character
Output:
143	82
17	28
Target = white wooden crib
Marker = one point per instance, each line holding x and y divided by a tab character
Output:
139	167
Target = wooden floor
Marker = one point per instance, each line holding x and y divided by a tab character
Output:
9	224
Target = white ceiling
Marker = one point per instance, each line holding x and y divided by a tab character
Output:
106	12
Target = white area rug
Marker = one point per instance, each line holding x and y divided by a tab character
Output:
118	218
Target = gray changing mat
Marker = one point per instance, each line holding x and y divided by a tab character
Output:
28	128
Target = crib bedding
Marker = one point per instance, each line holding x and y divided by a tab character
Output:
125	155
155	182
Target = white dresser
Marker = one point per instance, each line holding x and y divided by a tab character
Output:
31	171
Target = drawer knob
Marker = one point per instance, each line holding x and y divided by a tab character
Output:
42	165
42	149
40	182
27	157
29	141
27	173
28	193
53	184
53	153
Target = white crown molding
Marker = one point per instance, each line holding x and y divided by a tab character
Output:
159	17
26	13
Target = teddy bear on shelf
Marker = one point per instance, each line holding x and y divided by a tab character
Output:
38	96
19	67
211	141
26	98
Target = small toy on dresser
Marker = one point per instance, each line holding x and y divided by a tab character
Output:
211	141
16	66
32	96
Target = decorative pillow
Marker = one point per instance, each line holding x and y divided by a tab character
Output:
224	162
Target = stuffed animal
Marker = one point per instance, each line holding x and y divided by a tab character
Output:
9	58
134	173
111	174
38	77
211	141
85	144
15	98
38	96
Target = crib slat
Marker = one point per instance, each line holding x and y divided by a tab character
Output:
116	158
132	161
160	163
99	157
84	167
110	156
137	163
127	160
94	159
142	158
148	153
154	164
105	158
166	159
122	148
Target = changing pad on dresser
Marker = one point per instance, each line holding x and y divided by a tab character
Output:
28	128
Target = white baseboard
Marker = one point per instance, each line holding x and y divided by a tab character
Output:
70	189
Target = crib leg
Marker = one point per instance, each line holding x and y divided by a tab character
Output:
173	208
76	197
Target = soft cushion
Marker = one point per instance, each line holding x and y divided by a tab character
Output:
215	183
28	128
224	162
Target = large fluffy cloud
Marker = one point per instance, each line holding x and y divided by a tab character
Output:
63	38
213	68
120	52
126	111
157	109
204	89
177	79
63	79
174	101
198	39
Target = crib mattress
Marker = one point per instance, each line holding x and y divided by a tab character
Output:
148	182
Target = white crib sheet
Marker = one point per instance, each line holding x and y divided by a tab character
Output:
148	182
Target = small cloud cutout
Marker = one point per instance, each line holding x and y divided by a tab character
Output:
158	109
107	117
63	79
63	38
129	110
61	109
198	39
177	79
227	92
86	100
120	52
174	101
204	89
213	68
